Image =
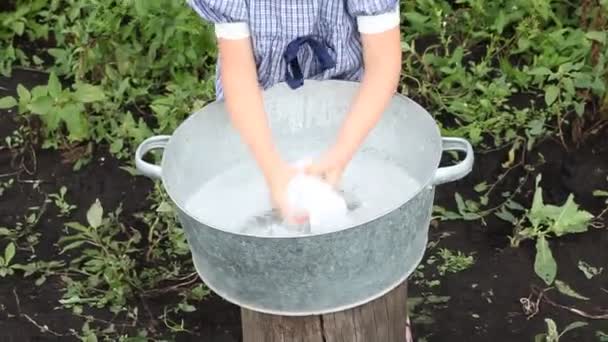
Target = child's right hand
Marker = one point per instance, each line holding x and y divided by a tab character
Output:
278	180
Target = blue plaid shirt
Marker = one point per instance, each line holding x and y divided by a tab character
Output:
274	24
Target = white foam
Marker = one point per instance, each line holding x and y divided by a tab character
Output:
237	200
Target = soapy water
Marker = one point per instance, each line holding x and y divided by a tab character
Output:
238	200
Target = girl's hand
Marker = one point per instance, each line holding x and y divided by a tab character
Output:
329	167
277	180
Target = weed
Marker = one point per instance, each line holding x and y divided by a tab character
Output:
552	334
545	220
105	260
60	202
453	262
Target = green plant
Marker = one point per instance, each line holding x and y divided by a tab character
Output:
43	269
105	260
22	22
5	185
114	264
543	221
487	52
60	109
552	334
453	262
6	268
60	202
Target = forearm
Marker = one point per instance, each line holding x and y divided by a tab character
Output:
382	67
244	101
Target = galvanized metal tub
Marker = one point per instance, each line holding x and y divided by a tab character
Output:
314	274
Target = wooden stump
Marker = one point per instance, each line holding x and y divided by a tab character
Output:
382	320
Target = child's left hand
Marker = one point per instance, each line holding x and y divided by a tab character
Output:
329	168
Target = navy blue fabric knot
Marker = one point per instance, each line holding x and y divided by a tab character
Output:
293	74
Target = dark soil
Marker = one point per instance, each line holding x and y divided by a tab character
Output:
484	302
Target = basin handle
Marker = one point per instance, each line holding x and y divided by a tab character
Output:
455	172
152	143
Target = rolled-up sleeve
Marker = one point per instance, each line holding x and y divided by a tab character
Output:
230	17
375	16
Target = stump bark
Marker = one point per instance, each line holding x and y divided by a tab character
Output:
382	320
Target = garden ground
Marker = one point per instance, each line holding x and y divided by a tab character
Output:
496	296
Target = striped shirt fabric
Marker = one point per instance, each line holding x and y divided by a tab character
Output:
273	24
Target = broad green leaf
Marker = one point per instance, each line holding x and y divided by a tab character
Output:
569	218
91	337
24	94
511	204
415	18
551	94
41	105
544	264
568	291
40	280
4	231
600	193
39	91
18	27
164	207
87	93
572	326
569	86
52	119
7	102
9	253
552	334
76	123
540	71
462	208
95	214
481	187
72	245
598	36
186	307
506	215
54	86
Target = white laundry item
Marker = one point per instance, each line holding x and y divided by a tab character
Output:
325	207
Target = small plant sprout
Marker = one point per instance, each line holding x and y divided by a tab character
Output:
453	262
60	202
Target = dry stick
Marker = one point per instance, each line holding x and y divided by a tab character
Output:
91	318
17	301
9	174
531	309
42	328
571	309
171	288
153	322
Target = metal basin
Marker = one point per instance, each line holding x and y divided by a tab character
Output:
314	274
